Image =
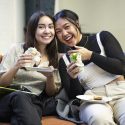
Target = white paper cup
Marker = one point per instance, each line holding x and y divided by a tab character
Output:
76	57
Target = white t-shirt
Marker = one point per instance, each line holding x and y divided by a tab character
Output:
32	80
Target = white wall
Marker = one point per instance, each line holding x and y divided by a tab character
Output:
97	15
11	23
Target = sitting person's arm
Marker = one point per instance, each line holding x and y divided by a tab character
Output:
6	77
9	66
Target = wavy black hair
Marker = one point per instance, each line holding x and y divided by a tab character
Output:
70	16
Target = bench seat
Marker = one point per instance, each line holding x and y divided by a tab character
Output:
51	120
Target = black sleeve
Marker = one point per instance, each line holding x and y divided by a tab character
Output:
72	86
114	62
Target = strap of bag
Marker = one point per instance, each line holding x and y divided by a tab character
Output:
68	111
100	44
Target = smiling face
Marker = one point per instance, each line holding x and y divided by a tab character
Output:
45	31
67	32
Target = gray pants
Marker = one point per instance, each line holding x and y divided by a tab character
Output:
106	113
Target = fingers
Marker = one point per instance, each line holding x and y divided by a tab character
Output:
72	51
23	59
26	57
85	53
73	70
78	47
76	50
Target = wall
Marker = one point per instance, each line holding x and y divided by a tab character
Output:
12	21
97	15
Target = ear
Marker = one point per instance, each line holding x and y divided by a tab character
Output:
77	23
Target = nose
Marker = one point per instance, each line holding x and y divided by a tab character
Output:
64	32
47	30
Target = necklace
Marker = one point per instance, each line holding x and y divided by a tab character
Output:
73	48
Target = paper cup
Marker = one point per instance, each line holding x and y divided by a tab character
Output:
76	57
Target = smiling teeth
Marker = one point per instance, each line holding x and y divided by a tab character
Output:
46	37
68	38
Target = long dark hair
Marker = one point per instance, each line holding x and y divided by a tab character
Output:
51	48
70	16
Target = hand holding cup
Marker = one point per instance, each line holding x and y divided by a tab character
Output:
76	58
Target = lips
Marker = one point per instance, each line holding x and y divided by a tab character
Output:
46	37
68	37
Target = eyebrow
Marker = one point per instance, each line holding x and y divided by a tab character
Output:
63	25
45	24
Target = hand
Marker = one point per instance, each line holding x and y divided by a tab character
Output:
49	74
23	59
85	53
73	70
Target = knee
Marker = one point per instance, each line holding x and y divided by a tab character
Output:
121	120
18	97
100	120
